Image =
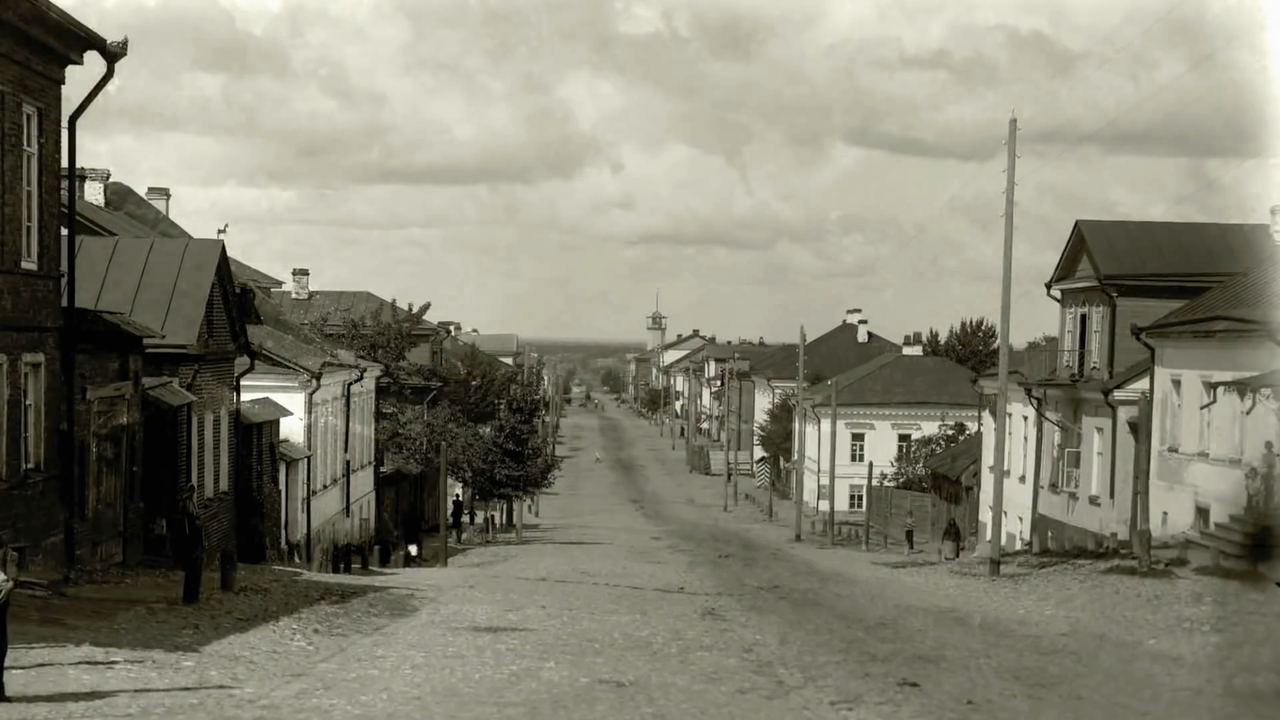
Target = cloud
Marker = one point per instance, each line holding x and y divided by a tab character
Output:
487	147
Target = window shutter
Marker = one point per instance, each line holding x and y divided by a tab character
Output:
206	452
1069	337
224	451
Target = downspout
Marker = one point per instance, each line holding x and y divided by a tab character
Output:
114	53
1039	465
240	454
308	441
346	437
1136	526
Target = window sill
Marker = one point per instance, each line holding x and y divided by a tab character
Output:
1205	458
29	265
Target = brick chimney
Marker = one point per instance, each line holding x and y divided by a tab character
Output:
159	197
696	331
91	184
864	333
913	344
301	284
853	317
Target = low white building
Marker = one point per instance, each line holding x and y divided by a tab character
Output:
1021	441
882	406
327	474
1215	421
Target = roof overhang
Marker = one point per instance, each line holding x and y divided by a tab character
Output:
166	392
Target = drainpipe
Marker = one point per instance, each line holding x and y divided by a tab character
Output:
307	440
240	455
346	437
114	53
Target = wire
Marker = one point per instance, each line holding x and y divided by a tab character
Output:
969	180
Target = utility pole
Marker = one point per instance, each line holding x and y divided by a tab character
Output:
1142	484
689	410
724	435
831	470
797	466
1002	388
737	429
671	414
444	506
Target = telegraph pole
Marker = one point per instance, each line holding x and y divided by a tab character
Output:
671	409
737	430
797	466
1002	388
724	435
831	470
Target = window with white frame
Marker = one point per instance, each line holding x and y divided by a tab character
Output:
855	498
1008	443
1022	466
1095	336
30	187
224	451
904	446
33	397
1206	415
206	452
1173	420
857	447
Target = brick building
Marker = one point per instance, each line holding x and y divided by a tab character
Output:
38	42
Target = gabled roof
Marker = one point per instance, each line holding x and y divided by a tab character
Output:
339	304
280	340
896	380
825	356
1128	375
494	344
725	351
162	284
458	351
1248	301
101	221
249	275
1124	250
676	344
955	460
123	199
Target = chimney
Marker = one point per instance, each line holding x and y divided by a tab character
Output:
159	197
1275	224
95	185
696	331
301	283
711	339
864	334
80	181
679	335
853	317
913	344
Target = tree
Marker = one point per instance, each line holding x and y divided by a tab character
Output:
611	380
909	471
974	343
933	343
775	430
383	337
654	400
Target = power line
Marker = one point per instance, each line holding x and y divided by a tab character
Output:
969	179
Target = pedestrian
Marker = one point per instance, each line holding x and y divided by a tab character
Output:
909	522
471	529
597	456
951	540
189	547
456	516
8	581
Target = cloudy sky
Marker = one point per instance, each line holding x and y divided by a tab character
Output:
543	166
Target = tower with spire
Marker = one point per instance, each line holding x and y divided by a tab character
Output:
657	325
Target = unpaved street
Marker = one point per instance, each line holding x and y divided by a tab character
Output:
635	596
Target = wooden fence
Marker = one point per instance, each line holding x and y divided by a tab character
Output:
889	511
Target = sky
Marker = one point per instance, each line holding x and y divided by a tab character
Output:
545	167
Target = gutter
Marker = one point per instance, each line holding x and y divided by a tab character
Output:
240	456
308	441
111	54
346	438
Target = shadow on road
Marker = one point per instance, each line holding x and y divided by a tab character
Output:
92	695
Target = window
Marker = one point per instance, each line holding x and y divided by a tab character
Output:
1173	422
335	440
855	498
206	452
224	452
30	187
1069	337
904	446
857	447
32	445
320	463
1022	466
1206	416
1095	337
1095	474
1008	443
1081	347
193	452
822	492
1241	413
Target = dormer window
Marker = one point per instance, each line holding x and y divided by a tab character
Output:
1082	337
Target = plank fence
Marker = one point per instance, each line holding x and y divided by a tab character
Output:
889	511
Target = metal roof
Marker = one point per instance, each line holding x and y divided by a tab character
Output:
262	410
165	391
1120	249
494	344
901	380
291	451
337	305
835	351
250	275
159	283
1249	299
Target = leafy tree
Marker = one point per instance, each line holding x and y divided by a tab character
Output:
775	430
568	375
909	471
654	400
383	337
933	343
611	380
974	343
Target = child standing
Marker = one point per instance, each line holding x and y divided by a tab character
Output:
909	522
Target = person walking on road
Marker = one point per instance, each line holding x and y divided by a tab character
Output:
455	515
597	456
471	530
909	523
8	581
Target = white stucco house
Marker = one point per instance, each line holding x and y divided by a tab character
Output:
327	444
1021	438
1215	417
881	407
